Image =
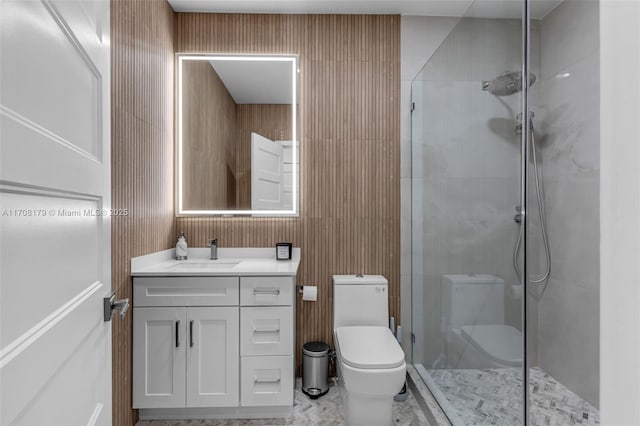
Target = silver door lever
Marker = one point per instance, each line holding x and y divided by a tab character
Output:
112	304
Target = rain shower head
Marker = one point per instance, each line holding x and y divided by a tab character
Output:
507	83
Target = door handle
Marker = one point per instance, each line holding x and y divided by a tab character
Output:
178	334
111	304
191	333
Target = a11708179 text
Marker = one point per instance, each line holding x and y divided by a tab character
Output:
62	212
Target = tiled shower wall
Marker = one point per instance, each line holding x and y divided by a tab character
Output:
420	38
568	126
566	315
466	163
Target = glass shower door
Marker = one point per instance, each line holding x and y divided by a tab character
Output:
466	200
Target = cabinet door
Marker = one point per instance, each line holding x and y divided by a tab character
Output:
213	357
159	357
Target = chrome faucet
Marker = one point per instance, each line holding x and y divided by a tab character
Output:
213	244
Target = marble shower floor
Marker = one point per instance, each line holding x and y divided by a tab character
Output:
326	410
491	397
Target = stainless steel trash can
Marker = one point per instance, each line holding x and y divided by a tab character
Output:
315	369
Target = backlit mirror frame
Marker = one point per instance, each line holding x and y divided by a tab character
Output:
180	58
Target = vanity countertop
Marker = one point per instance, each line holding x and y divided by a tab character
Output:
230	262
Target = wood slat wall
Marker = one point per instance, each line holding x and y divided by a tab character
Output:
142	36
349	142
350	151
208	139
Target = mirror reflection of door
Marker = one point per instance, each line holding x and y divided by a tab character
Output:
266	176
223	102
290	173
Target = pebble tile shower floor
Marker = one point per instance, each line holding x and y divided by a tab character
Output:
490	397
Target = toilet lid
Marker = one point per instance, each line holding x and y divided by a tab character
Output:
501	343
369	347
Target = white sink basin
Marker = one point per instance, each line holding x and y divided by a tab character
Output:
206	264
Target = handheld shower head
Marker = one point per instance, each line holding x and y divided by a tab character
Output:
507	83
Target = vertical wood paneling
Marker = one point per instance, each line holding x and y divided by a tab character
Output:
349	134
349	137
142	99
208	139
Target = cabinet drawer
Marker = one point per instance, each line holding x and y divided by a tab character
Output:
266	381
266	330
265	291
185	291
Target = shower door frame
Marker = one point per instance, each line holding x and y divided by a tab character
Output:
525	140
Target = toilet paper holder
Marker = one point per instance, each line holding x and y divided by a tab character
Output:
309	292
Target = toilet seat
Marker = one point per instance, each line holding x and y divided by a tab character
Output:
368	347
500	343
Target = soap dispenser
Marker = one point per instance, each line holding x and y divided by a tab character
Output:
181	247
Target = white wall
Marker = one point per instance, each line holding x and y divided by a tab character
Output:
620	212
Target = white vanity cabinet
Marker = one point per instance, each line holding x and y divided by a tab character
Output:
185	356
267	339
214	346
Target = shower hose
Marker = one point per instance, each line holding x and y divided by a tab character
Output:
543	223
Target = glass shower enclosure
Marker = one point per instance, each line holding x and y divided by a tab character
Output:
492	118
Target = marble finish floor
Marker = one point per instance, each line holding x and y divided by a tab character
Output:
493	397
326	410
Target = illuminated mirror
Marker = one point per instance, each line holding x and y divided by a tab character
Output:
237	149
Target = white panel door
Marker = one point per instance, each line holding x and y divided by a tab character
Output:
159	357
213	366
290	175
55	348
266	173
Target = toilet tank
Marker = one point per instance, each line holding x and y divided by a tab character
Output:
469	299
360	300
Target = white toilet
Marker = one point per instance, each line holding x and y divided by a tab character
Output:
370	361
474	328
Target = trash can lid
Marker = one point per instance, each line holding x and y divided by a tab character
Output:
315	349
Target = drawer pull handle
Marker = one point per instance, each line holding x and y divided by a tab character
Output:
257	291
191	333
264	381
267	330
178	334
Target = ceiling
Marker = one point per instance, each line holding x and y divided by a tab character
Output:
469	8
256	82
